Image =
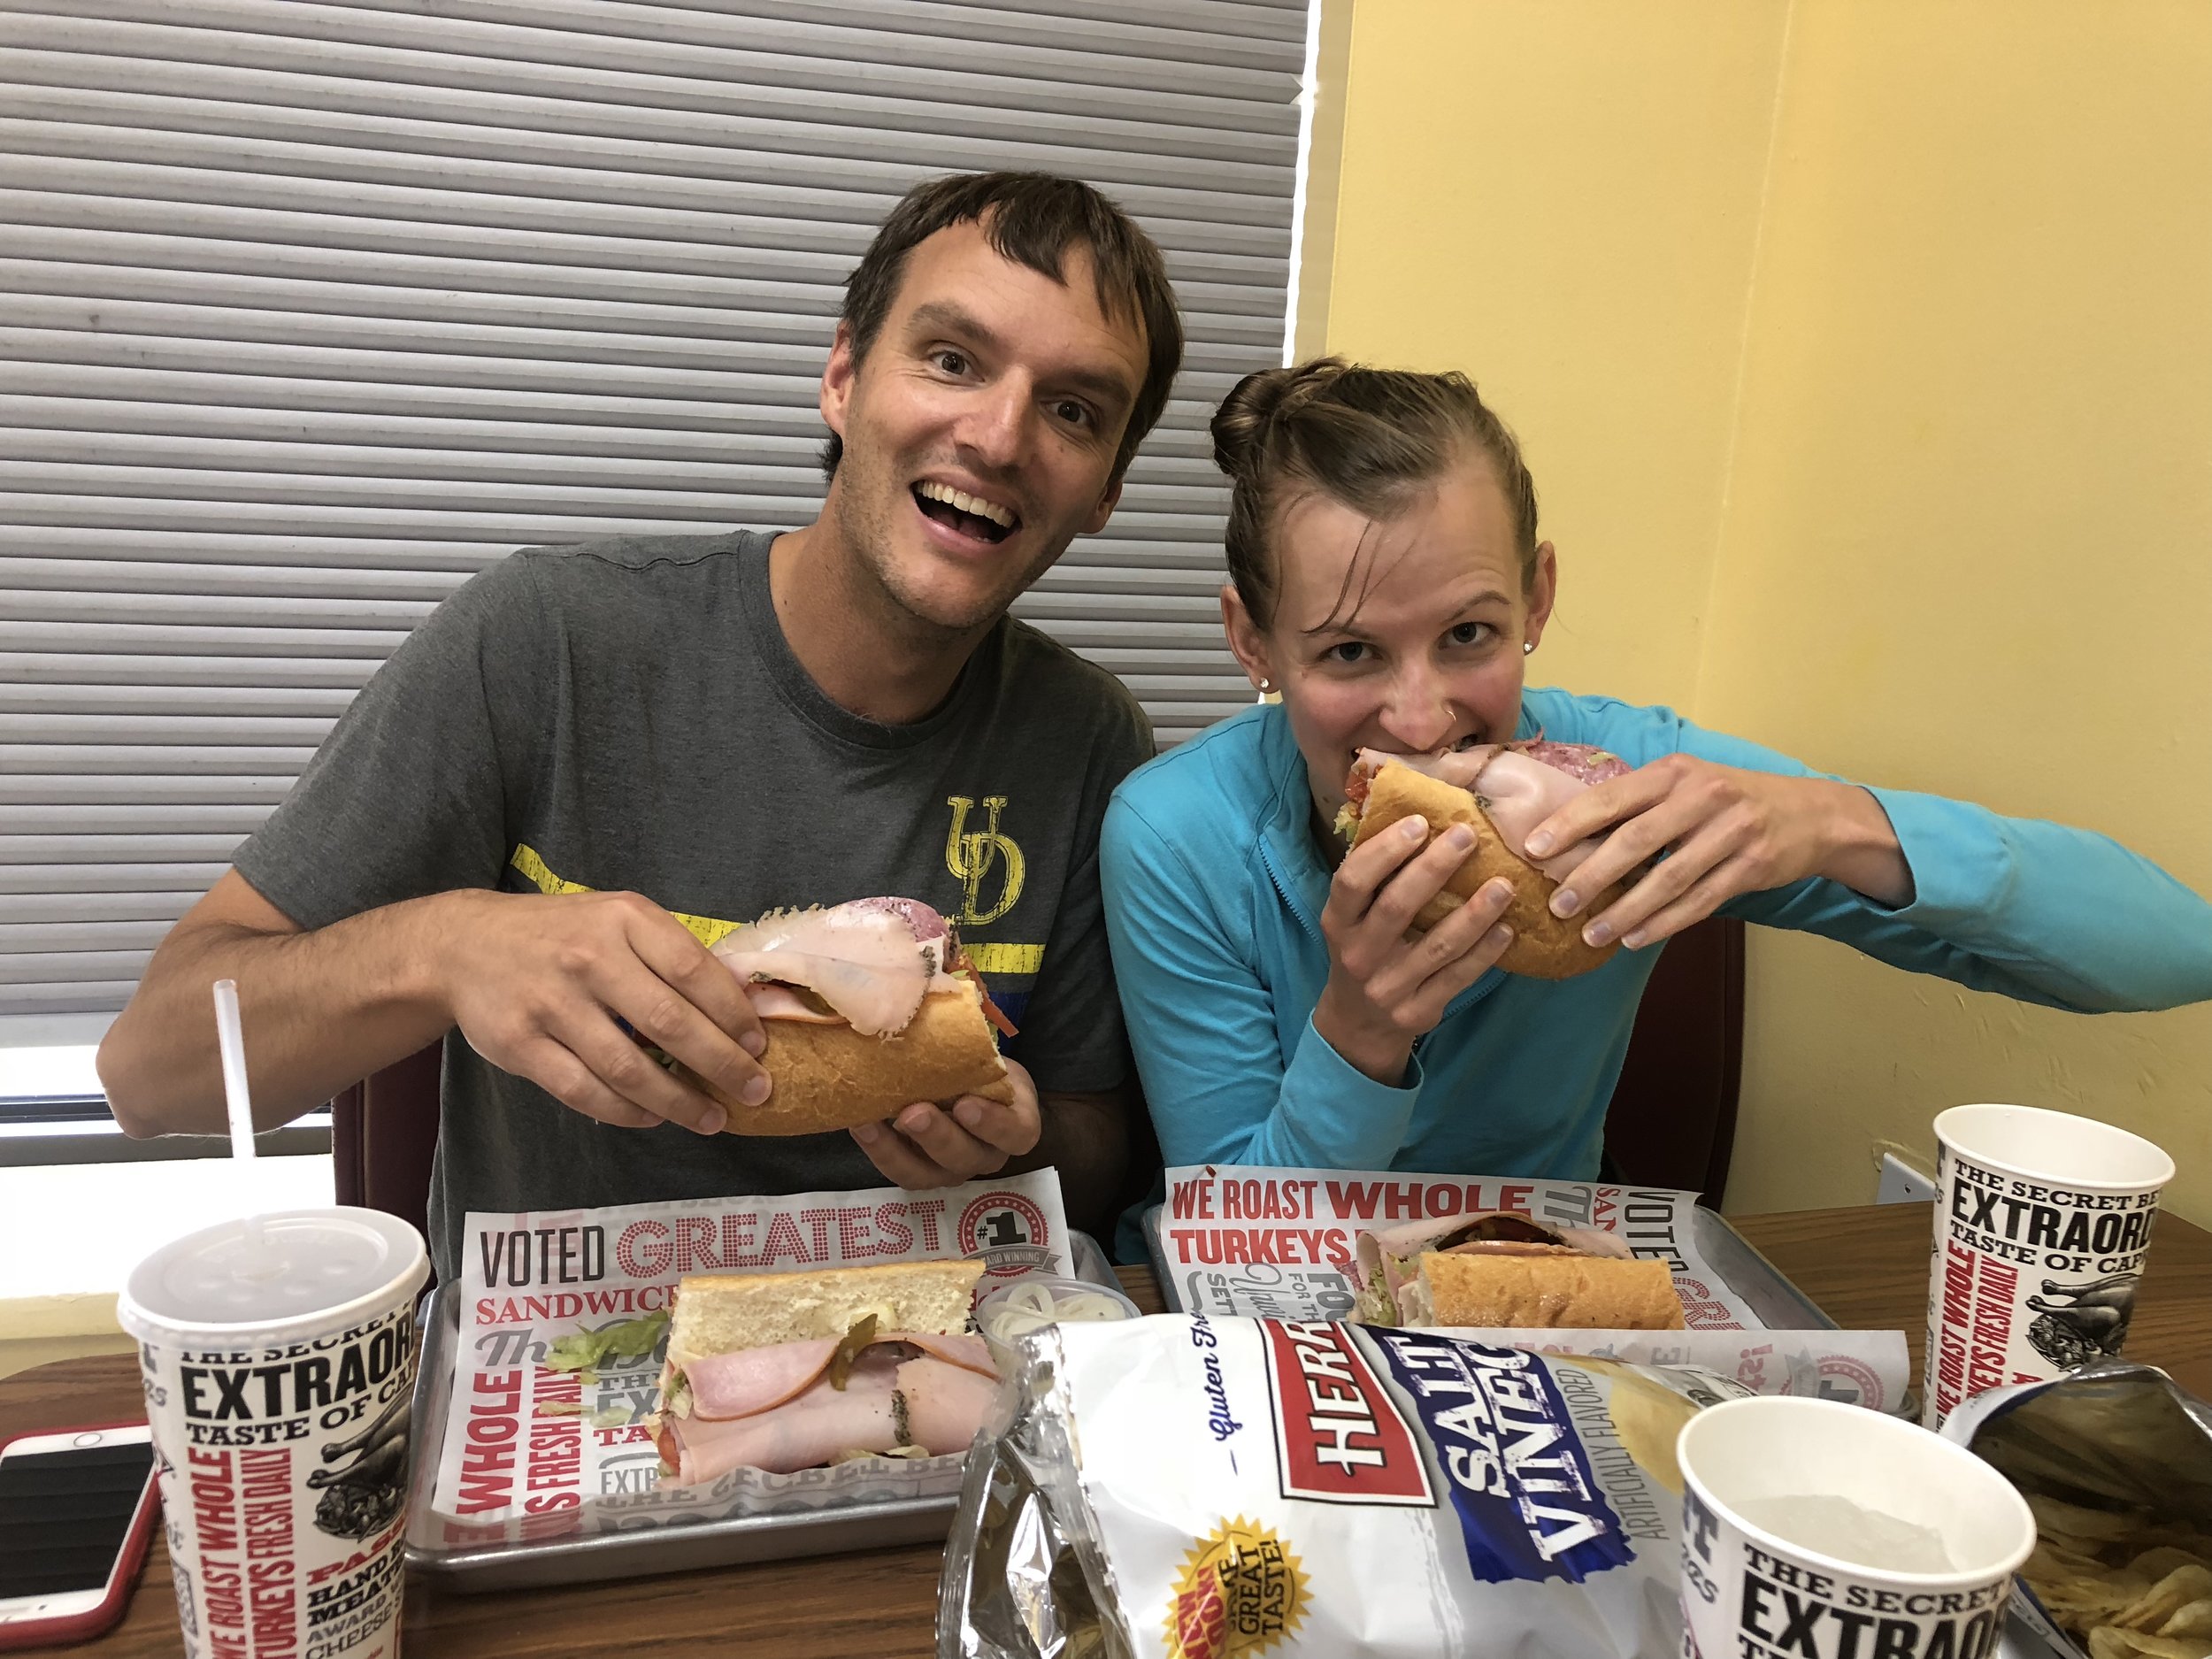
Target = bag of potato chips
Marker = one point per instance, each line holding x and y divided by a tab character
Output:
2116	1464
1186	1488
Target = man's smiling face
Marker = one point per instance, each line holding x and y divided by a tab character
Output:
980	429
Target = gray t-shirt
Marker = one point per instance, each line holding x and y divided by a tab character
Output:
626	714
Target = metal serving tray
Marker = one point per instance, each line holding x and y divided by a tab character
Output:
1756	1281
677	1544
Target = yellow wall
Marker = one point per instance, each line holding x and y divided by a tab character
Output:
1561	198
1863	350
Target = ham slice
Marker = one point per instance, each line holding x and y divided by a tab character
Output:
970	1353
798	1434
1590	764
1518	786
936	1403
945	1404
754	1380
750	1381
870	961
771	1001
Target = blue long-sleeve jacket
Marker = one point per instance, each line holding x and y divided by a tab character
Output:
1213	891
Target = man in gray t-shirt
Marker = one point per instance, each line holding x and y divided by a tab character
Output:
593	760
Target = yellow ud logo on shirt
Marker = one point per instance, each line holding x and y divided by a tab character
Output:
987	862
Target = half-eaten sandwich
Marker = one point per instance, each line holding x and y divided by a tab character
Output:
1504	1271
1502	791
783	1372
867	1006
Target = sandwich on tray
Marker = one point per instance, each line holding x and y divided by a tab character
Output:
783	1372
867	1006
1502	791
1504	1271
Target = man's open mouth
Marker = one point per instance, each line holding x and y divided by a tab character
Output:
971	515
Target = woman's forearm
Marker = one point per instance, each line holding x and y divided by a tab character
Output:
1381	1056
1865	855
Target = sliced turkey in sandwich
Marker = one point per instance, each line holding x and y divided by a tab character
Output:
1505	1271
867	1006
783	1372
1502	791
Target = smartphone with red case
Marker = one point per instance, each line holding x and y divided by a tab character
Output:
77	1508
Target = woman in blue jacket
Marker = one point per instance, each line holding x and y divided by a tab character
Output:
1387	581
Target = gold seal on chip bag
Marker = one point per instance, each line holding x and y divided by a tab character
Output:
1238	1593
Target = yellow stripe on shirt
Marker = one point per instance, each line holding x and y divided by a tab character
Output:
525	859
1006	959
709	930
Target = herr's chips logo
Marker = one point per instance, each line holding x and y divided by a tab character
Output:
1529	1506
1240	1591
1340	1438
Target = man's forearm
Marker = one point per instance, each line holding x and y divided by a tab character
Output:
320	1011
1085	1137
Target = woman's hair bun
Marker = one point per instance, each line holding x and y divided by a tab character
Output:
1239	425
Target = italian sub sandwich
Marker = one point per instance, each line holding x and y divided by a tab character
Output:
867	1006
784	1372
1504	1269
1502	791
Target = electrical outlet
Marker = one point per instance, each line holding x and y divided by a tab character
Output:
1901	1183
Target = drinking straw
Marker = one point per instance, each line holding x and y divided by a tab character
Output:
231	1039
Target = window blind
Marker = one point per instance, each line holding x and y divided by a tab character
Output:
309	311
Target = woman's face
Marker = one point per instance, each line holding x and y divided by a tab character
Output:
1402	634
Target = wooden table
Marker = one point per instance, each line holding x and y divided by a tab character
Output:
1867	1267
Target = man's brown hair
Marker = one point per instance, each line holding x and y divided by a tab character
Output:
1032	218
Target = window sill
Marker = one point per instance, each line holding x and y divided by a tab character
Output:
27	1145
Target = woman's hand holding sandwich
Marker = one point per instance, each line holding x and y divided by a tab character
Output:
1725	830
927	1146
536	984
1387	985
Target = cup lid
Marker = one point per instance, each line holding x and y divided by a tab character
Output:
2057	1148
319	1268
1795	1446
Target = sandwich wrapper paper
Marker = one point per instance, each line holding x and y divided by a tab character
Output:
1197	1487
533	1451
1278	1243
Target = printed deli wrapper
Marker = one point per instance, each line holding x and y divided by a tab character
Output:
1278	1243
2116	1464
1191	1487
534	1449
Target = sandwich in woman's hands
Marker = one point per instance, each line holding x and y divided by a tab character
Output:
783	1372
1504	1271
867	1006
1502	791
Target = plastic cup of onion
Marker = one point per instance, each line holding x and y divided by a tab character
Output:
1038	1300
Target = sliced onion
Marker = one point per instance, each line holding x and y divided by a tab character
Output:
1027	1308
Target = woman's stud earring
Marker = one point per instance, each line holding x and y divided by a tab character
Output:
1527	646
1264	687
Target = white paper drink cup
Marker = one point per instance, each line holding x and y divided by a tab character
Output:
277	1386
1750	1593
2042	1220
